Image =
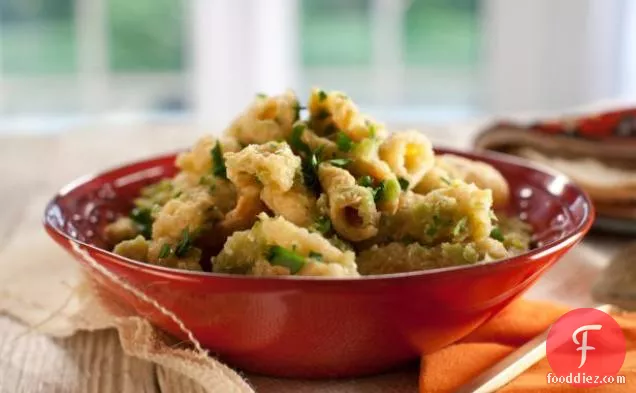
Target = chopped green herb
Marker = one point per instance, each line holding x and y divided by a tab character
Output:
184	245
343	142
322	224
365	181
165	251
445	180
378	192
460	226
281	256
322	95
496	234
218	163
318	152
143	218
296	140
434	226
388	190
404	184
261	95
315	255
178	194
309	167
340	162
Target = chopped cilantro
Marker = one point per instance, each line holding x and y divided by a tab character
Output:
460	226
143	218
340	162
218	163
315	255
184	245
281	256
165	251
365	181
496	234
404	184
322	95
343	142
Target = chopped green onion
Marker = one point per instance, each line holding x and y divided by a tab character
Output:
445	180
296	141
322	95
378	192
434	226
281	256
372	130
315	255
165	251
388	190
322	224
460	226
496	234
184	245
343	142
309	167
404	184
218	163
318	152
366	181
143	218
340	162
261	95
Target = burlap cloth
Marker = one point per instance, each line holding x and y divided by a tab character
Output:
44	288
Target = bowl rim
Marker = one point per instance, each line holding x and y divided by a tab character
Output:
571	237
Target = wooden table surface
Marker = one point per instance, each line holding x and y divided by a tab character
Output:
34	167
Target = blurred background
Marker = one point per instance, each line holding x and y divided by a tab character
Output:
67	63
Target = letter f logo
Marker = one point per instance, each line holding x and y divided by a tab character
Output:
584	347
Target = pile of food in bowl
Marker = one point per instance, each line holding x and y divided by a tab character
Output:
321	190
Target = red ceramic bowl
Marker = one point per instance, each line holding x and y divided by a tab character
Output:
319	327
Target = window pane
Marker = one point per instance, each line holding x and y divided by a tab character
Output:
442	33
37	36
335	32
146	35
